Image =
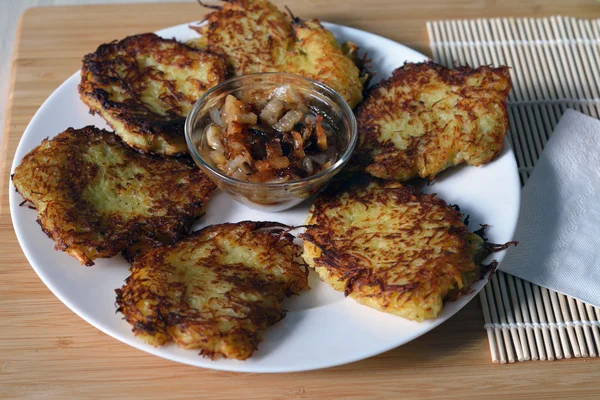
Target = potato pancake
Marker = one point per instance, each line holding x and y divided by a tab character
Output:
426	118
391	248
254	36
216	290
145	86
96	197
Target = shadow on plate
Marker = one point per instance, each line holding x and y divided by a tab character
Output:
462	335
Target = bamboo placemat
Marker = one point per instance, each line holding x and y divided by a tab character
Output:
555	65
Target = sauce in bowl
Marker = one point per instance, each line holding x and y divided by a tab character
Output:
275	138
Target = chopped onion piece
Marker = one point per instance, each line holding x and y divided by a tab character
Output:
308	165
235	164
320	133
287	94
213	137
235	111
245	168
298	145
218	158
308	127
319	158
288	121
247	118
272	112
279	162
215	116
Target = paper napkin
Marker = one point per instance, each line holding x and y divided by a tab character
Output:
559	223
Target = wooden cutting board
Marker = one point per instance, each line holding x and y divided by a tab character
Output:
47	351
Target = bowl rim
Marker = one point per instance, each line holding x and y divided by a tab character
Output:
337	166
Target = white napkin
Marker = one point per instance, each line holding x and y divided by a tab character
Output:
559	224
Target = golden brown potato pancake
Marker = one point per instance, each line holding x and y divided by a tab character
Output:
254	36
145	86
96	197
391	248
426	118
216	290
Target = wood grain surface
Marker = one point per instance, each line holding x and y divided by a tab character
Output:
47	351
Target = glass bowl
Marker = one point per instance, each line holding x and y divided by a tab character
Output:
273	196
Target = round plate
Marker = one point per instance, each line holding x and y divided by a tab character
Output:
322	328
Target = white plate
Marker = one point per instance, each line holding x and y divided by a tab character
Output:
322	328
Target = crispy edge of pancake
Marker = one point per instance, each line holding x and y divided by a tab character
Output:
289	44
426	155
54	176
348	270
132	120
229	323
237	17
320	57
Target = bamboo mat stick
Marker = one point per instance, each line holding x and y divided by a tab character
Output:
514	333
488	326
541	315
534	115
578	330
595	331
510	354
584	91
562	329
496	323
591	53
505	58
525	334
566	59
586	328
533	143
554	81
539	336
459	55
570	329
597	320
533	333
543	75
482	32
550	317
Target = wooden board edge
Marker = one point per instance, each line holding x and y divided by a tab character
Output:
8	158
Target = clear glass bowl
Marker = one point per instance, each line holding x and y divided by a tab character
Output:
273	196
